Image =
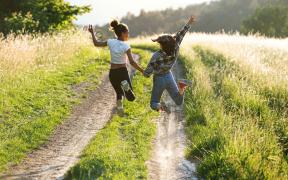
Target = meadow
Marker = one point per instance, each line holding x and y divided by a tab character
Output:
236	111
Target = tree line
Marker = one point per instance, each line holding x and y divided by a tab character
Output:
271	20
267	17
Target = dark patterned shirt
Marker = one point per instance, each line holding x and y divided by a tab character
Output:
160	62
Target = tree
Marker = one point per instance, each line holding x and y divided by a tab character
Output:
37	15
270	21
20	23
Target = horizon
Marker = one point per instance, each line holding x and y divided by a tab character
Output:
99	9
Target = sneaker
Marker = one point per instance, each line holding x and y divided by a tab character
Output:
165	108
125	85
183	83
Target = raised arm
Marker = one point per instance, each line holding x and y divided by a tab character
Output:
180	34
132	62
95	41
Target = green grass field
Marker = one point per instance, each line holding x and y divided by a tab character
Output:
237	127
236	112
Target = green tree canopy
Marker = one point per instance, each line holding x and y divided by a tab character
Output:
37	15
270	21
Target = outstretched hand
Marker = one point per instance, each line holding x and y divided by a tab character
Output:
192	20
90	28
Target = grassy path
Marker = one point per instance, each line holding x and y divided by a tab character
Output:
168	159
120	150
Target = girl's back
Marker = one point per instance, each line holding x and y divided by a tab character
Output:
118	51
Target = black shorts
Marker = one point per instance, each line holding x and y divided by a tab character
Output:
116	76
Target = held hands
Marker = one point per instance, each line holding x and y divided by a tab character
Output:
142	72
192	20
90	29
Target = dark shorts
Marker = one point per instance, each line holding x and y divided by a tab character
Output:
116	76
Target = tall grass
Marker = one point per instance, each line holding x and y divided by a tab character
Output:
38	79
250	139
24	53
261	60
263	55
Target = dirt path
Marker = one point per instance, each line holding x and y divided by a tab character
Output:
62	151
168	160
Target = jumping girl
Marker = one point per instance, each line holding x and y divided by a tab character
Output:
161	64
119	50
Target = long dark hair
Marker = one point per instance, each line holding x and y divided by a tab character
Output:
118	28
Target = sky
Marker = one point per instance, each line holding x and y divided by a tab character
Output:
105	10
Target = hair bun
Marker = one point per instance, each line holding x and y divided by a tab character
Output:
114	23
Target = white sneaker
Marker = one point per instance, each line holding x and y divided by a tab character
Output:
125	85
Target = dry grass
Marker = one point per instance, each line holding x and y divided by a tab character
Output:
263	55
24	53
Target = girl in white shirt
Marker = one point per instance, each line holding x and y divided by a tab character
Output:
119	51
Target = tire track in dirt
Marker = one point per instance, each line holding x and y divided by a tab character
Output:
168	161
53	159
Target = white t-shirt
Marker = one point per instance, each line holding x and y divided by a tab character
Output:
118	51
